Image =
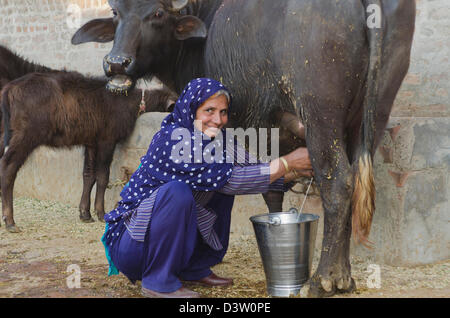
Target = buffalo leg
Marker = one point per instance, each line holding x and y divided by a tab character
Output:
10	164
333	175
105	154
274	201
88	183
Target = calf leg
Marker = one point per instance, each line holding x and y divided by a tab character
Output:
88	183
10	164
105	154
333	175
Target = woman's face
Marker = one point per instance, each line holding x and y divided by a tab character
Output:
212	115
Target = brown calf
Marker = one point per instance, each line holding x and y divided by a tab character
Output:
64	109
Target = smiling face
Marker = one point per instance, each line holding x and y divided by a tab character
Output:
212	115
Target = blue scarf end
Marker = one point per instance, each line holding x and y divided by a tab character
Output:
112	268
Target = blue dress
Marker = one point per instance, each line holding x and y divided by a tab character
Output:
173	248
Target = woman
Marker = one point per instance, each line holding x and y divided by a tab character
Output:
173	221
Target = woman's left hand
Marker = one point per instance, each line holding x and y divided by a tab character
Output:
295	174
297	159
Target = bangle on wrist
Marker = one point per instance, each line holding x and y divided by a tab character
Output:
286	166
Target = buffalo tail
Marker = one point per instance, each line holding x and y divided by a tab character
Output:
363	200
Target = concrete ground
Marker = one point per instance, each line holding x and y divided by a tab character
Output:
42	260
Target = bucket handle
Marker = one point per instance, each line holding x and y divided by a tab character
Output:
275	221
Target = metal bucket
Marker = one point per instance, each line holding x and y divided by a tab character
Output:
286	245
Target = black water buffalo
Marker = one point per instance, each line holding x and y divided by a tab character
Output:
336	65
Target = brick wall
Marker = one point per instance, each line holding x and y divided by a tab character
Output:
426	89
41	30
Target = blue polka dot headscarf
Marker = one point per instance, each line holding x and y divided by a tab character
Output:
162	162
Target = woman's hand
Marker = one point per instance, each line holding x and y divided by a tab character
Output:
297	160
295	174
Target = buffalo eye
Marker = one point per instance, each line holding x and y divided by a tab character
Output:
114	12
159	13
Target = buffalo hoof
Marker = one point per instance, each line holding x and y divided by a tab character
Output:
13	228
319	287
87	220
86	217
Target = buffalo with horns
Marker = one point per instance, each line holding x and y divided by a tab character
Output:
335	65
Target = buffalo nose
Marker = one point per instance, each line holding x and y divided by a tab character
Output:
116	64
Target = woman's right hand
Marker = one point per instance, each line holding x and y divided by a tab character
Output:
299	159
296	160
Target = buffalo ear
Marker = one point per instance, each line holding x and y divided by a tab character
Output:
97	30
190	27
